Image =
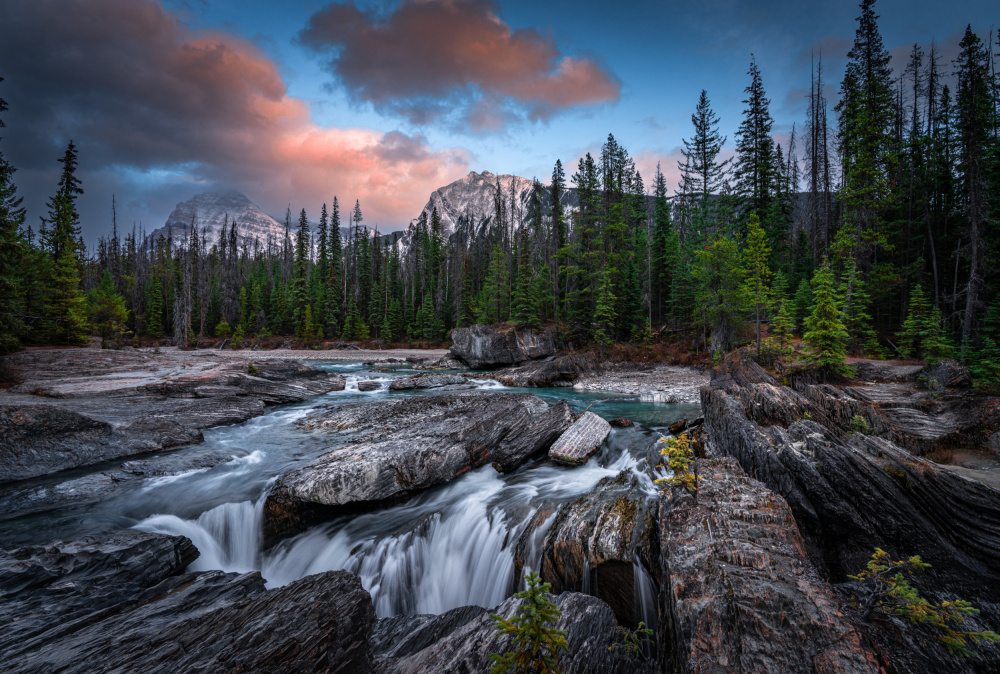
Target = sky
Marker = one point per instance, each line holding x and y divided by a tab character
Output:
295	102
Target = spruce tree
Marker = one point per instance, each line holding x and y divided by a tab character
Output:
826	337
758	273
755	161
721	297
702	174
107	310
12	254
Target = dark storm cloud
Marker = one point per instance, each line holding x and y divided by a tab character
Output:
165	110
429	58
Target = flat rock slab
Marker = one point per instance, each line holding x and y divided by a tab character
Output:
581	440
392	450
422	381
669	385
369	386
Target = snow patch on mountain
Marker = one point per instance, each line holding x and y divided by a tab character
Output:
209	210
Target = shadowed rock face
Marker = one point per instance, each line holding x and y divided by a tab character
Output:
84	407
853	492
462	640
405	445
739	593
483	346
124	602
594	541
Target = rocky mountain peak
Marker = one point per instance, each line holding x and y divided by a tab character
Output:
209	210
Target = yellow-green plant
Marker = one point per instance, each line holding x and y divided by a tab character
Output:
537	646
252	370
633	641
882	586
679	455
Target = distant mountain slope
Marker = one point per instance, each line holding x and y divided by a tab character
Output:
209	210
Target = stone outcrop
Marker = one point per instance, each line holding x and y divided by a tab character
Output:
422	381
851	492
79	408
738	591
365	386
124	603
402	446
593	543
581	440
485	346
532	438
552	371
663	384
463	639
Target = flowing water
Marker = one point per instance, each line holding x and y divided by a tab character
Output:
449	546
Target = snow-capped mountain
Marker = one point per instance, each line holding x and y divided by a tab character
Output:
209	210
466	207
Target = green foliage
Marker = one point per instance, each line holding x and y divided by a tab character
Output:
537	647
721	297
252	370
605	314
237	340
758	273
859	424
12	255
882	586
826	335
922	335
633	642
108	313
679	455
222	329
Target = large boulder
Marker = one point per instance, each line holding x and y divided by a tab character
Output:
124	603
581	440
486	346
402	446
738	591
552	371
532	438
593	543
422	381
463	639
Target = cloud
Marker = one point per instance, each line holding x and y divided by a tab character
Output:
430	59
143	95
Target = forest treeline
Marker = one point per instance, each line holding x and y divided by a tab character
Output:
872	232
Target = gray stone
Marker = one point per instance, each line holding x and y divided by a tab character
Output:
422	381
369	386
581	441
484	346
532	438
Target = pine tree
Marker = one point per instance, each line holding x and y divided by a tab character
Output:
12	254
758	273
605	313
803	303
107	310
300	297
721	297
702	174
754	166
826	337
537	647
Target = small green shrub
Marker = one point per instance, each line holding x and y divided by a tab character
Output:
859	424
679	455
883	587
633	641
537	647
222	329
252	370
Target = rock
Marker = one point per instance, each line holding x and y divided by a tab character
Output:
677	427
945	374
445	363
670	385
125	602
581	441
85	407
621	422
532	438
400	447
20	499
463	639
421	381
369	386
853	492
552	371
484	346
739	593
592	544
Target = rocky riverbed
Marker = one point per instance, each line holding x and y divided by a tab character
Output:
373	518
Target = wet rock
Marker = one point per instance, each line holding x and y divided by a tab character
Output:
533	438
53	493
593	543
677	427
739	593
126	603
463	639
422	381
485	346
445	363
670	385
369	386
621	422
400	447
78	409
552	371
581	440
